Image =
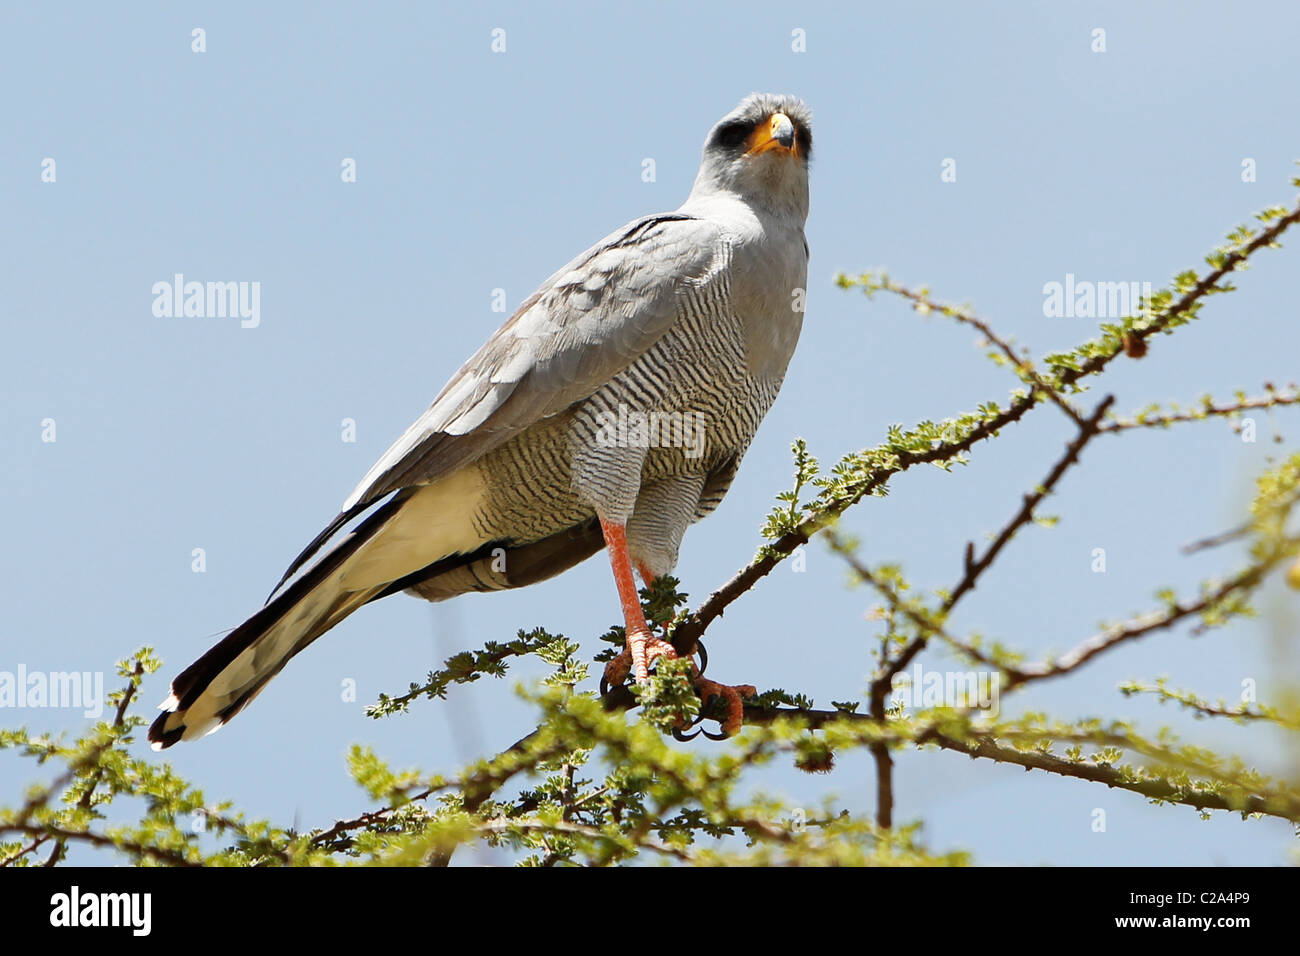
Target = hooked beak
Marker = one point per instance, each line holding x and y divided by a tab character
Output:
777	134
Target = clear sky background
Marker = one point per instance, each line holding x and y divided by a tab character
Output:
478	171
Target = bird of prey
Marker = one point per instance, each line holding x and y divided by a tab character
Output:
611	410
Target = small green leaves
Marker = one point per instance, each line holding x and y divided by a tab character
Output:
465	668
787	519
592	784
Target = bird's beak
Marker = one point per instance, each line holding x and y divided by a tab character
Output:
777	134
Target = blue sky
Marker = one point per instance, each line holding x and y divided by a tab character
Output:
479	171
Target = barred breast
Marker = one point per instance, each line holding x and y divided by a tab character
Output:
656	448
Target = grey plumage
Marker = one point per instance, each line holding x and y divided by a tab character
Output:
682	322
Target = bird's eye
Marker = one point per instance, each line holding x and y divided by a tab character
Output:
732	135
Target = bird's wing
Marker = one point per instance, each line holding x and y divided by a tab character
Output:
584	325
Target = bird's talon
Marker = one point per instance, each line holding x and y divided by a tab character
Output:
732	699
616	671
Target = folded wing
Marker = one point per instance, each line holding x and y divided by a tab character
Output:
586	323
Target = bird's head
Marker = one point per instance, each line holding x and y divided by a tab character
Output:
760	152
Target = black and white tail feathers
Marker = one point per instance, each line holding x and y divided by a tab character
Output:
220	684
402	546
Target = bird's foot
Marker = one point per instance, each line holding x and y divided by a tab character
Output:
646	649
616	671
642	650
731	700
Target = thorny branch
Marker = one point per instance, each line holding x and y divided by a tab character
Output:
975	567
881	731
690	630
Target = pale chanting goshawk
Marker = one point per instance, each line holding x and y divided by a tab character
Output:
611	409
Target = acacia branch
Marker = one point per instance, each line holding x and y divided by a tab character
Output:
1202	708
985	746
579	830
1246	580
1021	363
1208	410
975	567
19	824
119	718
687	634
63	835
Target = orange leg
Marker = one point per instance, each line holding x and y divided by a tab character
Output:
642	648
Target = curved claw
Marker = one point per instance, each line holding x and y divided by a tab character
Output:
704	658
712	736
723	704
678	732
604	686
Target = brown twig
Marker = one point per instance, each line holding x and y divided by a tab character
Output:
1138	627
1019	362
63	835
986	747
119	717
974	567
689	631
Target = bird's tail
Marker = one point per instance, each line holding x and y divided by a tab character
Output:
415	528
221	683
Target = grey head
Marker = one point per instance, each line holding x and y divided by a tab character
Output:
760	153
